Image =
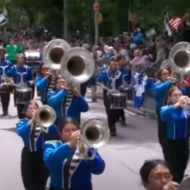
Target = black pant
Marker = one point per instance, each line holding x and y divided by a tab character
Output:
177	155
33	171
83	88
161	132
5	99
69	189
21	109
121	114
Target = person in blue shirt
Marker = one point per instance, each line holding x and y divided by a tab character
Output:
126	77
66	169
176	119
22	75
160	90
33	171
43	82
66	100
5	65
110	79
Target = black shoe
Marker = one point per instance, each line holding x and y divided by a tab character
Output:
5	113
123	123
113	131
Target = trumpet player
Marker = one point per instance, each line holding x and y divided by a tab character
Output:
160	89
43	82
5	65
66	100
34	174
176	116
66	169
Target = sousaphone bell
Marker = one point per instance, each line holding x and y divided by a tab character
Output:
77	65
53	53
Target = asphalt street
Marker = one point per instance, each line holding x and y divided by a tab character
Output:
123	155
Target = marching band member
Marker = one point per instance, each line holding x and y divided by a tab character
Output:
43	82
176	119
110	79
66	100
22	75
126	76
67	170
5	65
34	173
155	175
160	90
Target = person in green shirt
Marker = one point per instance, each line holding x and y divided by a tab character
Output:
12	51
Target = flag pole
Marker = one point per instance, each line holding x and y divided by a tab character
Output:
128	28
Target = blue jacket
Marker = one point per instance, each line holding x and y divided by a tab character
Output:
16	73
177	122
106	77
57	100
126	74
160	94
55	155
28	134
42	84
138	38
4	65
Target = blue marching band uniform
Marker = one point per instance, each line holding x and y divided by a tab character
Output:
5	65
66	104
22	75
42	85
34	173
113	80
67	171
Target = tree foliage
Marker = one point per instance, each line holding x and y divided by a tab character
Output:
81	15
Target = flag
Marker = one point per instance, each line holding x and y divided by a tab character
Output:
167	25
175	22
132	18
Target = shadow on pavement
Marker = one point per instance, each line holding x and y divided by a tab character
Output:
8	117
13	129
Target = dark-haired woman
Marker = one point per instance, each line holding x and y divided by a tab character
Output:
66	100
160	90
177	120
155	175
34	174
43	82
67	170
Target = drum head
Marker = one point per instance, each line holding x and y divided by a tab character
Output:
117	94
185	184
25	89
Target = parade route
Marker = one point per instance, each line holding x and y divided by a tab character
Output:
123	155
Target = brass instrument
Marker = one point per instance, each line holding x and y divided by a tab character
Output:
45	116
185	104
77	65
94	134
179	60
53	53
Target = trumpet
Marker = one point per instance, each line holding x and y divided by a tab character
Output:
94	134
45	116
185	104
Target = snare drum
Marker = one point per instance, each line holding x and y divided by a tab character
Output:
6	88
117	100
23	95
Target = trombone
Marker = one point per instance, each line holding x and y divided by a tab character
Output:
94	134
